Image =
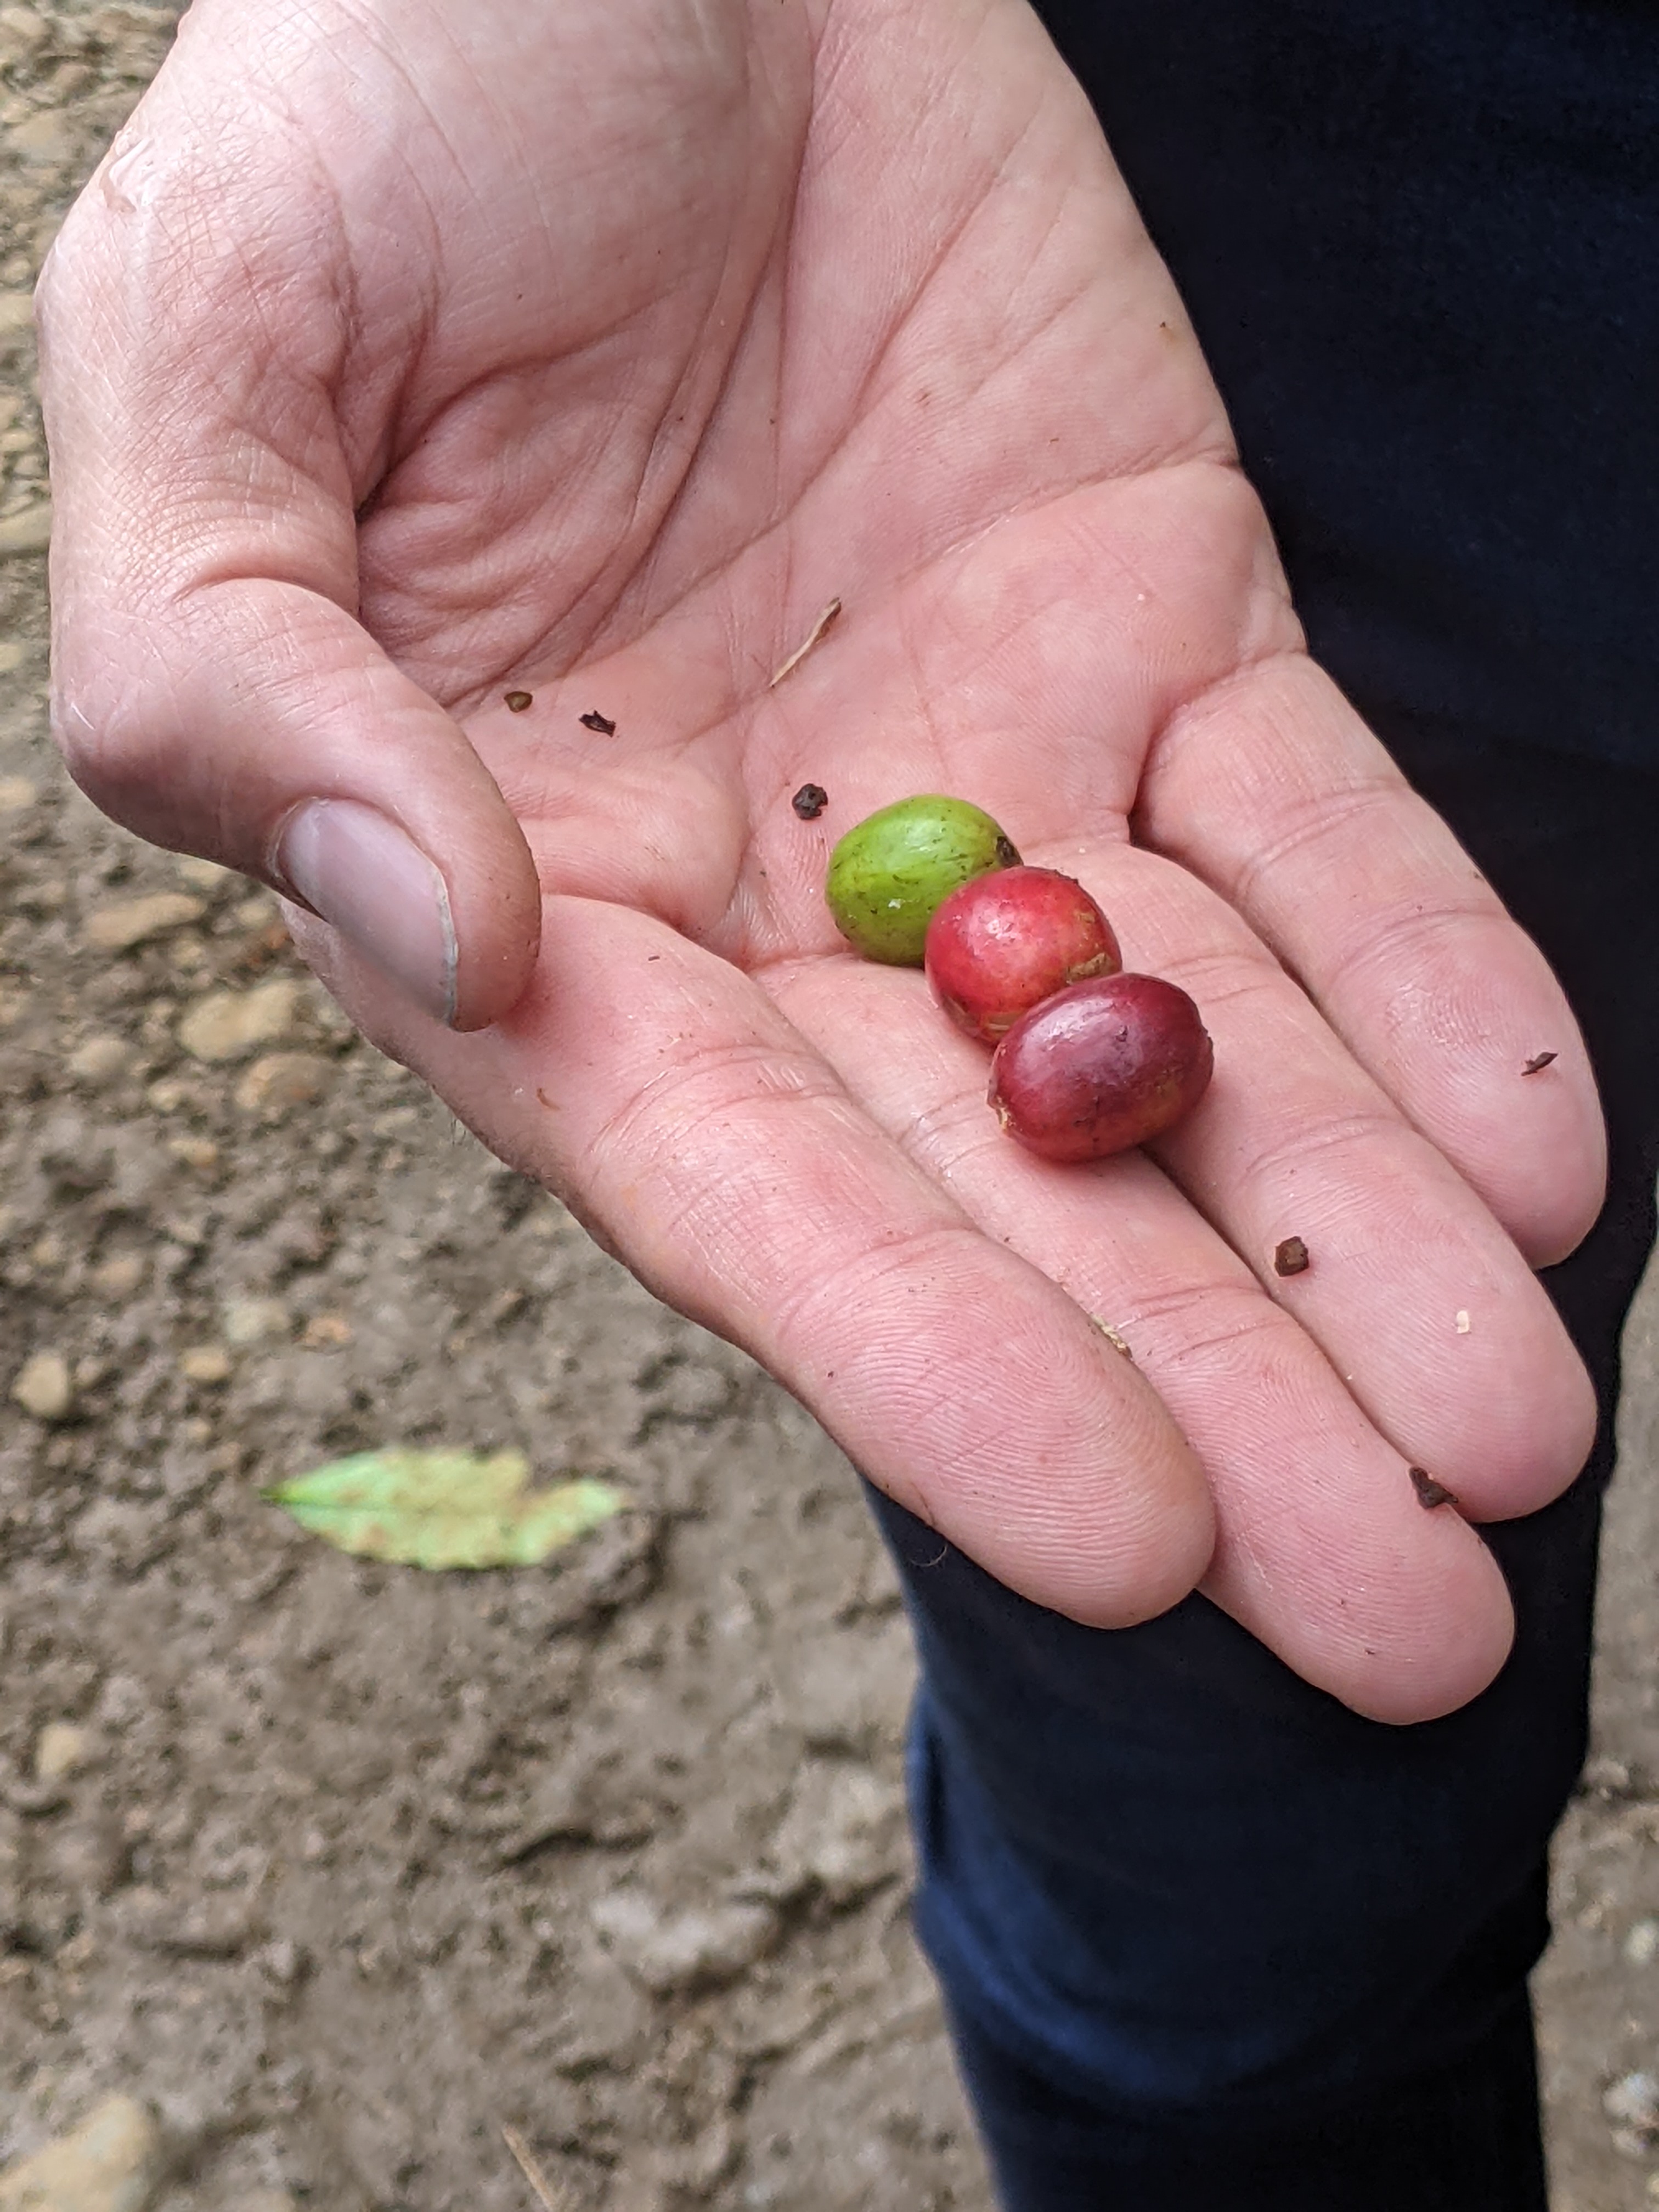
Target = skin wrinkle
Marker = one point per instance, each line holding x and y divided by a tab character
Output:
1315	819
530	656
1404	935
853	1284
646	568
607	638
855	418
1226	975
795	1077
1335	1134
599	582
1158	1309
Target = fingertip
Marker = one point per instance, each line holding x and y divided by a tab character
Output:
497	905
1406	1648
1467	1661
1164	1551
1525	1426
460	939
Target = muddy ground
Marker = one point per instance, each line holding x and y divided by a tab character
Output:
341	1867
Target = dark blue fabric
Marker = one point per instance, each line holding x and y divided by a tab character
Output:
1196	1922
1459	2138
1170	1882
1420	245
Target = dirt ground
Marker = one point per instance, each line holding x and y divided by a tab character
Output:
342	1866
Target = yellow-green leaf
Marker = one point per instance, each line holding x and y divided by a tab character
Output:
443	1508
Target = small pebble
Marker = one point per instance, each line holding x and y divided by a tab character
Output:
135	921
684	1950
43	1387
275	1086
1633	2102
46	140
206	875
518	702
252	1321
30	530
198	1152
809	801
206	1364
1290	1257
231	1024
60	1749
112	2162
118	1276
100	1060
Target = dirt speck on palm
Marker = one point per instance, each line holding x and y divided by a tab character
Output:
340	1867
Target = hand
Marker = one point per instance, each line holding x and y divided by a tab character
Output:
399	357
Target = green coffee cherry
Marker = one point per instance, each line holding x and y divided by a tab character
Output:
888	874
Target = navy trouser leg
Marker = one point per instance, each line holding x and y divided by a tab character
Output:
1195	1920
1462	2138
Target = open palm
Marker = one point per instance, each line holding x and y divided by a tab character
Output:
592	352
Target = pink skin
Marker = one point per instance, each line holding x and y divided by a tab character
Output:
1100	1066
395	362
1004	942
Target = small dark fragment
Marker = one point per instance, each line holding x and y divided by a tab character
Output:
595	721
1007	853
1431	1493
1538	1060
516	701
809	801
1290	1258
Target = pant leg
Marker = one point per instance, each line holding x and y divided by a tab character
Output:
1215	1915
1462	2138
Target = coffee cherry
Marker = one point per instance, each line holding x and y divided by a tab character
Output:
888	873
1100	1066
1004	942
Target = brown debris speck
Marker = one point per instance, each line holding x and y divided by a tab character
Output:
516	701
809	801
593	720
1540	1060
1290	1258
1431	1493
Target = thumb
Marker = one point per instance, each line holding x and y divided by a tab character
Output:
253	721
212	687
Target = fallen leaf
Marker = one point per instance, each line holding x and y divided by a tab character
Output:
443	1509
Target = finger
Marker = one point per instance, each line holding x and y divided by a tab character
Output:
1323	1549
1271	790
211	688
699	1136
1418	1296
